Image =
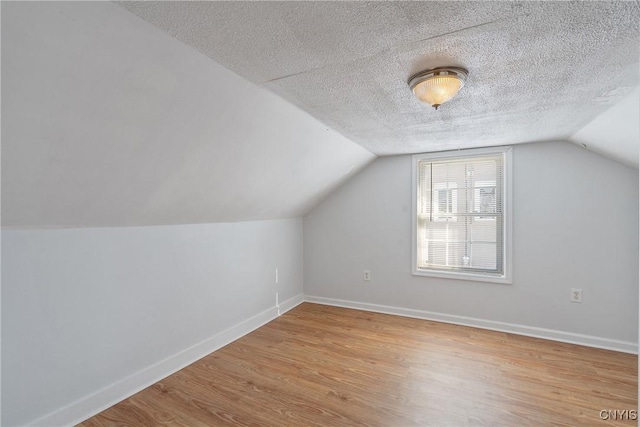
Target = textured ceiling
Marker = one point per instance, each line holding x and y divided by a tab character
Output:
538	70
108	120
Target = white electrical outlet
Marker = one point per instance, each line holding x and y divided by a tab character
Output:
576	295
366	275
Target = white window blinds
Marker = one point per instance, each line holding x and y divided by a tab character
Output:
460	221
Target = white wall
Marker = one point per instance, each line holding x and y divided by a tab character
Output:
575	225
616	131
109	121
85	308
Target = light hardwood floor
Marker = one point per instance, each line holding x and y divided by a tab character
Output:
326	366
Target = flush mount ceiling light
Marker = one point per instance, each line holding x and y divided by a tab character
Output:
438	85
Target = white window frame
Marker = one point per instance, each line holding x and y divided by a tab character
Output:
506	276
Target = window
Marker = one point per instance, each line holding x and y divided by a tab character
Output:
461	207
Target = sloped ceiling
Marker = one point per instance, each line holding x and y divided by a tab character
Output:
108	121
615	132
538	70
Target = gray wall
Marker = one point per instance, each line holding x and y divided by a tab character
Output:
84	308
575	225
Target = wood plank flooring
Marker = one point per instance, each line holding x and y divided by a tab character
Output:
326	366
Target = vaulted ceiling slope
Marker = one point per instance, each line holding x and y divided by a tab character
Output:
538	70
108	121
615	132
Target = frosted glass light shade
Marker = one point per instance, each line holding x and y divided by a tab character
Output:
439	85
437	90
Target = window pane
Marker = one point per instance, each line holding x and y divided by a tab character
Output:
483	256
460	214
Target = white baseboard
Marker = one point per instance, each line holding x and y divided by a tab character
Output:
530	331
291	303
97	402
91	405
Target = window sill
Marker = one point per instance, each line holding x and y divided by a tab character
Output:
462	276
